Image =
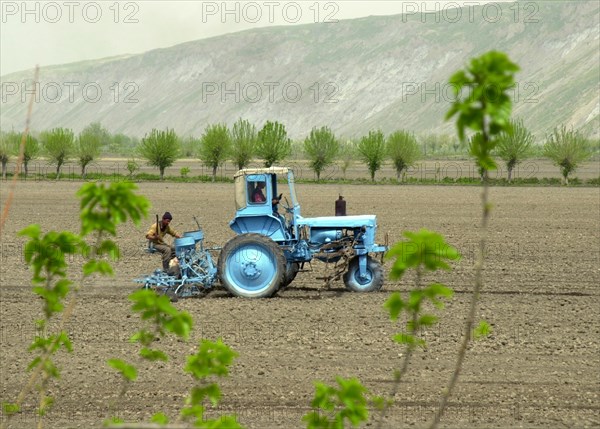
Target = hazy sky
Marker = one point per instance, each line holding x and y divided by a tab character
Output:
59	32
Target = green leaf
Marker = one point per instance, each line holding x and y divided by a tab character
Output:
378	402
213	392
212	358
346	402
97	266
394	305
160	418
482	330
210	391
423	248
482	102
129	372
153	355
32	231
315	420
409	340
180	324
112	421
64	340
9	408
196	411
436	290
223	422
427	320
143	337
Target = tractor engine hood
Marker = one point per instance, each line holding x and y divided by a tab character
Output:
368	221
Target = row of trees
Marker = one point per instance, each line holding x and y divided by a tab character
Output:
243	143
60	145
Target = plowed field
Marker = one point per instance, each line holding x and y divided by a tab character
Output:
540	367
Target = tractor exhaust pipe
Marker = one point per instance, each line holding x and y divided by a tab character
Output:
340	206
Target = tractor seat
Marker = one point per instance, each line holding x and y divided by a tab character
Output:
150	248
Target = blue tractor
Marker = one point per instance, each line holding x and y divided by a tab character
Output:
272	245
274	241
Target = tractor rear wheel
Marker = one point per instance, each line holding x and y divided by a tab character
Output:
370	283
251	266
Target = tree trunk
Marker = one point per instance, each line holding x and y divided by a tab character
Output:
214	175
162	172
510	174
4	169
25	168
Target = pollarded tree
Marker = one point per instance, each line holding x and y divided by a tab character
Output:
100	134
347	155
371	150
89	144
122	144
31	151
514	146
189	146
476	141
567	149
243	143
59	146
160	149
321	148
273	144
9	145
403	149
215	147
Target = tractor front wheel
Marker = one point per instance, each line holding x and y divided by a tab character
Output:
251	266
372	281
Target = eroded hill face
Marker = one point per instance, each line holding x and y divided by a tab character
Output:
379	72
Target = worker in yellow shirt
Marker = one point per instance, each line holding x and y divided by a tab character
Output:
156	235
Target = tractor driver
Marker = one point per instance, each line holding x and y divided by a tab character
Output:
156	235
258	196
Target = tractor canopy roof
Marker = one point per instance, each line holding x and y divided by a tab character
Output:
265	170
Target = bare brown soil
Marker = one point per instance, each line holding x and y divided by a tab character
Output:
539	368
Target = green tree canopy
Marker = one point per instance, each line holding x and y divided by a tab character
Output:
90	142
215	147
31	151
189	146
100	134
514	145
567	149
403	149
123	144
243	139
59	146
347	155
160	149
371	150
321	148
9	145
273	143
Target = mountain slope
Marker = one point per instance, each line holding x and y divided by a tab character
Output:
378	72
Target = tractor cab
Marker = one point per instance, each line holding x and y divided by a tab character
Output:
262	204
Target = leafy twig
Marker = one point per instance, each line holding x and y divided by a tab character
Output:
486	110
